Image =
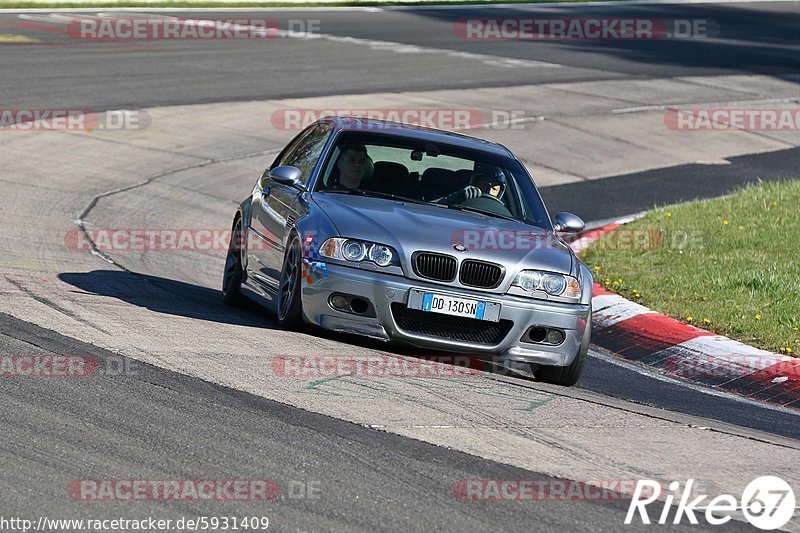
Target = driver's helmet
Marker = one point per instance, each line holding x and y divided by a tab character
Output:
486	177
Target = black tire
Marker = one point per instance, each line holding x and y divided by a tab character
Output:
234	273
567	376
289	304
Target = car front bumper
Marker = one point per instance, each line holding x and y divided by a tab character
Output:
383	290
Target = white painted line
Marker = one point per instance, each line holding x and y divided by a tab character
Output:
597	224
630	218
383	46
54	18
114	16
403	48
662	107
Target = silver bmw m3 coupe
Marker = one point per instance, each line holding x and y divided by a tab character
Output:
410	234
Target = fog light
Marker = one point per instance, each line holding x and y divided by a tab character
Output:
555	336
359	306
537	334
339	302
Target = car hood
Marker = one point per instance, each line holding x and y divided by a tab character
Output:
410	227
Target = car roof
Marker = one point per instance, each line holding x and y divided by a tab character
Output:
421	133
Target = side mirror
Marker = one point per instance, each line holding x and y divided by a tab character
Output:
568	223
287	176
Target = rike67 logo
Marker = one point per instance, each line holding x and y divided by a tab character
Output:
767	502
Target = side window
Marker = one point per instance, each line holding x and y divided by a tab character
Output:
305	150
290	148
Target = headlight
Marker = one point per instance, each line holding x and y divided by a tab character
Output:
381	255
552	284
530	280
356	251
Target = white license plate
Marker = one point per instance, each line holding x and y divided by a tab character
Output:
451	305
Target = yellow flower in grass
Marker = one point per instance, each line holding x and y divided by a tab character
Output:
669	214
758	317
689	319
596	268
706	320
725	222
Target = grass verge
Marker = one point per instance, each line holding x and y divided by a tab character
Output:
729	265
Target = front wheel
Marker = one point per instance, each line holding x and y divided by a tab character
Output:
290	305
567	376
234	273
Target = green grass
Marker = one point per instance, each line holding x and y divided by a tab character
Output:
211	4
728	265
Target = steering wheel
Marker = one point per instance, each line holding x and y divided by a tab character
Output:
488	203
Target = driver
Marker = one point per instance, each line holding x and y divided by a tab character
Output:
490	184
354	165
482	184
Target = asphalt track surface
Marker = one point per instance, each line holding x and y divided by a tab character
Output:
333	476
170	426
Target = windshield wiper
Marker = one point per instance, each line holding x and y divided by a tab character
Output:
376	194
461	207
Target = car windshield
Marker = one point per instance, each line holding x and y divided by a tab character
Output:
390	166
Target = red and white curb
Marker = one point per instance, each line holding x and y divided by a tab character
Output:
633	332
